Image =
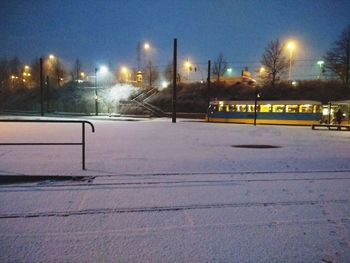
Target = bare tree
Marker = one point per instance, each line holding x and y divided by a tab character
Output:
151	73
219	66
14	67
274	62
338	56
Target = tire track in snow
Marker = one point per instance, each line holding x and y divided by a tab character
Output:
167	208
152	184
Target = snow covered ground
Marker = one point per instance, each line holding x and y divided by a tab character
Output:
167	192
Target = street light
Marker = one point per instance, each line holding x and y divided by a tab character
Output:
147	51
125	74
146	46
291	47
82	75
188	66
103	70
96	98
320	63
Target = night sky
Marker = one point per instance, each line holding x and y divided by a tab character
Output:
108	31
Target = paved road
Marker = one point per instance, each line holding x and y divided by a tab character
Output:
217	217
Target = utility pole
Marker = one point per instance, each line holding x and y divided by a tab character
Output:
96	98
208	89
138	50
174	80
256	94
41	87
47	94
208	86
347	62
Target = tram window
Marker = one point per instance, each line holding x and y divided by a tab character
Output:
227	108
265	108
292	108
241	108
305	108
233	108
250	108
317	108
278	108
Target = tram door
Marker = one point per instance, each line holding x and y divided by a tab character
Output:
329	111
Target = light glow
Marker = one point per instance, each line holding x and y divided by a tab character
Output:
291	45
165	84
320	63
146	46
103	70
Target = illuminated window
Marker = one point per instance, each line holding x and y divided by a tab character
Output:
317	108
221	106
233	108
278	108
306	108
265	108
241	108
292	108
251	108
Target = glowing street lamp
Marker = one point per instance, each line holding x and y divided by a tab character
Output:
262	72
82	75
96	97
125	74
320	63
188	66
103	70
146	46
165	84
291	47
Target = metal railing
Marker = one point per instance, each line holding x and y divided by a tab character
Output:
82	143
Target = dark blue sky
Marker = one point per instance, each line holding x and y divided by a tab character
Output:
108	31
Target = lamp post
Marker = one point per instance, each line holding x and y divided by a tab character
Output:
103	71
96	98
148	64
188	67
256	97
291	47
146	46
124	75
320	63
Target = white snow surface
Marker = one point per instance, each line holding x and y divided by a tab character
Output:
176	192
